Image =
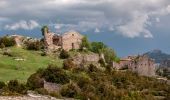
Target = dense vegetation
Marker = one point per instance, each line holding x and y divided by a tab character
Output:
100	48
83	83
6	42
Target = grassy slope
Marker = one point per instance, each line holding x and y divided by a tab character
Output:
21	70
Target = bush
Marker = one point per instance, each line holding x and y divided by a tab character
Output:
15	86
7	53
55	75
109	55
55	94
2	84
35	81
92	68
85	43
7	41
70	90
36	45
64	54
43	54
2	46
42	91
68	64
102	62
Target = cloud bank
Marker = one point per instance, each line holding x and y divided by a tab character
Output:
23	25
129	18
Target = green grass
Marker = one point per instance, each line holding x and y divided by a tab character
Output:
21	70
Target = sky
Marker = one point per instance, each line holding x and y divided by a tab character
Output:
128	26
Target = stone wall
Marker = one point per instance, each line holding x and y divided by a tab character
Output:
86	58
141	65
52	87
71	40
67	41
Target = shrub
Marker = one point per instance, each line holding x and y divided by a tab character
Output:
43	54
2	84
2	46
70	90
55	75
102	62
64	54
92	68
15	86
34	45
35	81
109	55
7	53
7	41
83	82
85	43
55	94
68	64
41	91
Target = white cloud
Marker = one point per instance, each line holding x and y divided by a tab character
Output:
157	20
130	18
136	27
96	30
3	19
111	29
31	24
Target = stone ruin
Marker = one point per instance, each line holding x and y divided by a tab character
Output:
142	65
67	41
21	40
91	58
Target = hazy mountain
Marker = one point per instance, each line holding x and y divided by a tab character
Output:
158	56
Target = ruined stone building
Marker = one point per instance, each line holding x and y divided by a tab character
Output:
18	40
21	40
142	65
67	41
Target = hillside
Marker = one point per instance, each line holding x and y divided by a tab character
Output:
11	68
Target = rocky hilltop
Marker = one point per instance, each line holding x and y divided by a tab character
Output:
158	56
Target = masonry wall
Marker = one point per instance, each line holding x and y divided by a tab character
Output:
143	66
48	40
71	40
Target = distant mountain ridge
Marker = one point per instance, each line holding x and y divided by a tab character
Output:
158	56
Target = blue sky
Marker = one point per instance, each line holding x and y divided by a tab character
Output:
129	26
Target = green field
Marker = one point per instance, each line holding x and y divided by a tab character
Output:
21	70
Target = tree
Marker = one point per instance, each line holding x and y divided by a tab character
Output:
44	29
97	47
109	55
85	43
